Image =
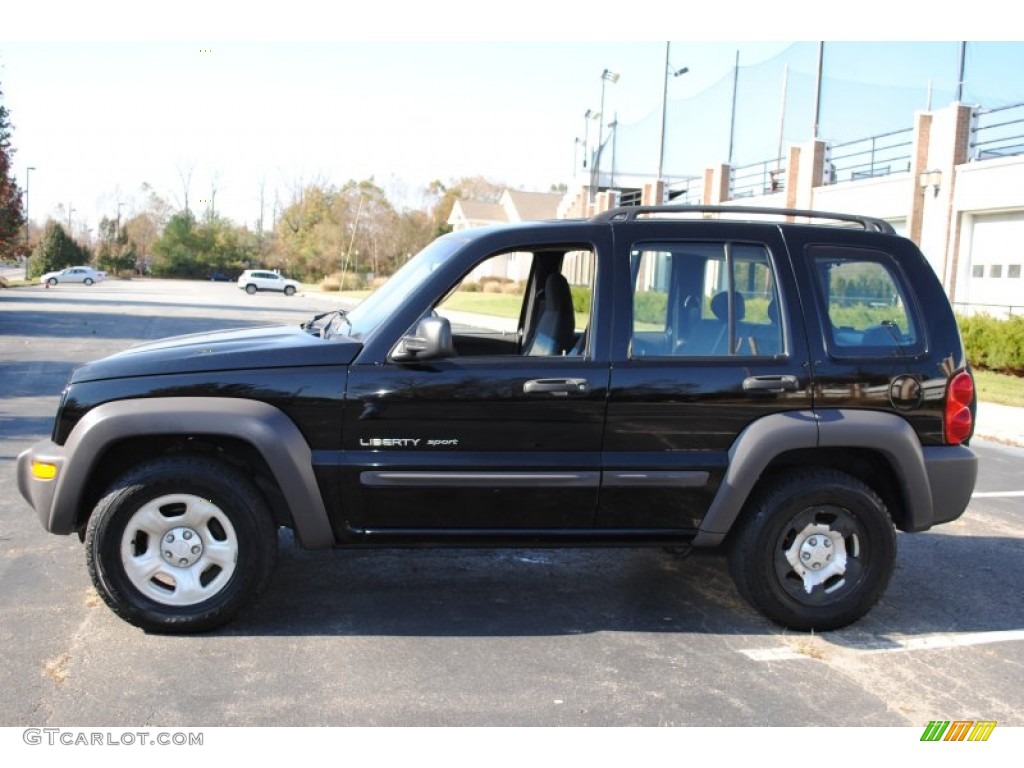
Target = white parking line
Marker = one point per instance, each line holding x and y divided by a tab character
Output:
996	494
934	642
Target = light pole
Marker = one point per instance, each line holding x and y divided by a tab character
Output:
607	76
28	221
614	125
664	106
587	117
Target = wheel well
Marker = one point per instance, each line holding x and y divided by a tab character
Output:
119	457
870	467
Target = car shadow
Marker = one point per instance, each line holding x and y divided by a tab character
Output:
938	587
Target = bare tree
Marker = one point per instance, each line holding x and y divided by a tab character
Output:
214	187
185	175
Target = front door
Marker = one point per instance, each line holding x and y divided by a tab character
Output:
506	434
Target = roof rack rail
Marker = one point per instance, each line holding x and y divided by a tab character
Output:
632	213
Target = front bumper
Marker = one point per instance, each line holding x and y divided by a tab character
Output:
41	493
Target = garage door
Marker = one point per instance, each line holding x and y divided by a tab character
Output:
996	259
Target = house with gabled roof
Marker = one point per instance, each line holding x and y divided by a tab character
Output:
514	206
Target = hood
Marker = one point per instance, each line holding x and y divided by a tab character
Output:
246	348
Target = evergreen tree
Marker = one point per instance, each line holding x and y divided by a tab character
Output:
12	217
55	251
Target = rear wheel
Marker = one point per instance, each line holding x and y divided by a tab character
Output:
815	550
180	544
88	281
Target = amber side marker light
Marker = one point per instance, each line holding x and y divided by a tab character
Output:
958	422
43	471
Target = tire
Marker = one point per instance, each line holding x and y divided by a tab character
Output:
815	550
88	281
250	289
143	537
52	281
289	290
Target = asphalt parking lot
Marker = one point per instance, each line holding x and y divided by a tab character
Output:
620	637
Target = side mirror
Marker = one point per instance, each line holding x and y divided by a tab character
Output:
431	340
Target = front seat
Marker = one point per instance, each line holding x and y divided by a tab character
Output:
554	331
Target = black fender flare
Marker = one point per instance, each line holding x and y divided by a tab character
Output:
763	440
263	426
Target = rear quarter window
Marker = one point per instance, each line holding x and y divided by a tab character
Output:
865	302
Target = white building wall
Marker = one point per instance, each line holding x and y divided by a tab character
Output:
884	197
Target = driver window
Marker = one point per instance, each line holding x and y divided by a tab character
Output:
528	303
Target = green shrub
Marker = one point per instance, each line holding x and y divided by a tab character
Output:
580	299
650	307
994	343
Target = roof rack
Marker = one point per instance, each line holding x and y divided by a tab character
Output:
633	213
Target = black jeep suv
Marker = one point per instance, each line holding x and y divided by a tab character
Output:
672	376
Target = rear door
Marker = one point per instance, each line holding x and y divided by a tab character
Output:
707	339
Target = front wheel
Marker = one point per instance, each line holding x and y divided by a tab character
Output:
815	550
250	289
180	544
289	290
52	281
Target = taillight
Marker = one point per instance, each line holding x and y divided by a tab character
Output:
958	422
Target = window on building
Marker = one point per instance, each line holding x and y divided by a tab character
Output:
978	270
996	270
1013	270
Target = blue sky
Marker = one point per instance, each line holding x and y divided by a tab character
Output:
101	107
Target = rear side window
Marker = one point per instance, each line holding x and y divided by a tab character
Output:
704	299
866	303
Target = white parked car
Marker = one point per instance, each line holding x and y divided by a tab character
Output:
86	275
253	280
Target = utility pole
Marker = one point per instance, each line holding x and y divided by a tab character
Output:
960	79
664	106
817	90
612	77
732	114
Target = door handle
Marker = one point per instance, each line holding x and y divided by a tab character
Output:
771	384
558	387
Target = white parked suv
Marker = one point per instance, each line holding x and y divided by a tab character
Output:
86	275
253	280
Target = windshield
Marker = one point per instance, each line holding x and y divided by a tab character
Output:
386	300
